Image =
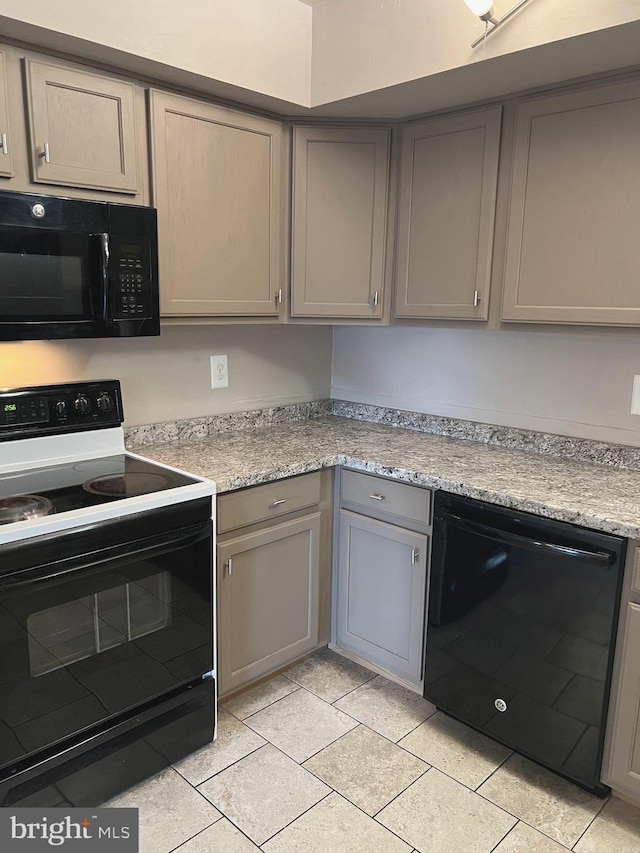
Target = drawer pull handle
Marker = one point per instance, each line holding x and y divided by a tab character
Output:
279	502
377	497
415	556
3	145
228	565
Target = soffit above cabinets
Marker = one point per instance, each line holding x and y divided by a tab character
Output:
359	59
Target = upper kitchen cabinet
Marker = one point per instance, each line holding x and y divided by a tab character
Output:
573	252
340	209
6	142
446	216
216	185
81	129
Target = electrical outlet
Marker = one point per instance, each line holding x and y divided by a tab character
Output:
219	371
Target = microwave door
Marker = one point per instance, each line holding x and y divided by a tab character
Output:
51	283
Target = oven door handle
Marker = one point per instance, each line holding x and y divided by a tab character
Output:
61	570
601	559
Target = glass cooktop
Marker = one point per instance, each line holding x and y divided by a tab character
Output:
75	485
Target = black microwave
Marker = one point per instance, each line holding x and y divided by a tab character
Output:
76	269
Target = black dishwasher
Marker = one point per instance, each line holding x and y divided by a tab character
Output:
522	616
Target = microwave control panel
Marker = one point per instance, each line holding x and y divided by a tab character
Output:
132	298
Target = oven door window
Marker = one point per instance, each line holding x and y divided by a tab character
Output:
97	634
76	630
46	275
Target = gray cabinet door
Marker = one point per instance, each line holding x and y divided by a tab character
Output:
624	761
216	185
267	599
6	142
81	128
340	198
446	216
573	252
381	593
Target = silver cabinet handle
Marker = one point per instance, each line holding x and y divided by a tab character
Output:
228	565
375	299
476	298
415	556
377	497
279	502
279	296
3	143
47	154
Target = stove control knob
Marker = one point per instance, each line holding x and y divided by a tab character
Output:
82	405
61	408
105	403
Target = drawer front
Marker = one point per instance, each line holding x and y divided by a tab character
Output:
635	580
388	496
239	509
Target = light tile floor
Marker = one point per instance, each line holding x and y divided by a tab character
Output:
331	758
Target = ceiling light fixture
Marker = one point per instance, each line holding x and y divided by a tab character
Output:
484	10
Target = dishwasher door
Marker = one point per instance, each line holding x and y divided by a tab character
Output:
521	627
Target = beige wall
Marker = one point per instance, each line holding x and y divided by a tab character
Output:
254	44
360	46
568	384
169	377
342	57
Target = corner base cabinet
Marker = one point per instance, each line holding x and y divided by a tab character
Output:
381	574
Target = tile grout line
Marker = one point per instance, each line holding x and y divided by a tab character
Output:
187	840
508	832
268	705
293	820
217	773
597	814
494	771
541	831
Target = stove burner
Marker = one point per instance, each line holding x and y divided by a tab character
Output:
23	507
127	485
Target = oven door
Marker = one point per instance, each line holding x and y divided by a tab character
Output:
99	621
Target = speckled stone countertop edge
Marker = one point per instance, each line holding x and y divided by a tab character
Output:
516	438
500	498
272	475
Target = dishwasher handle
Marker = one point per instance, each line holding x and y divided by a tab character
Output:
599	559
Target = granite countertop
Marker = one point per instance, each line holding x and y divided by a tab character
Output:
599	496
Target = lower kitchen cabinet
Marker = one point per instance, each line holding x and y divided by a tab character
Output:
622	757
381	582
268	584
273	575
381	572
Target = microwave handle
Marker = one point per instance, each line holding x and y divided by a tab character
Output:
105	255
